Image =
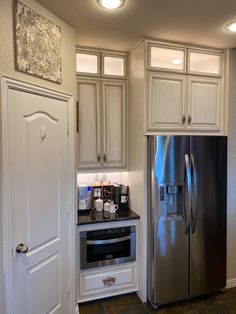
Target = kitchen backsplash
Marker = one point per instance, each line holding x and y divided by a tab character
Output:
113	177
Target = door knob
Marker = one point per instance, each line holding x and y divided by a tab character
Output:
22	248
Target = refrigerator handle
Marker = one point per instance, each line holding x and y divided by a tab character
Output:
189	194
195	196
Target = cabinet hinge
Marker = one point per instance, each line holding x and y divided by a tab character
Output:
69	287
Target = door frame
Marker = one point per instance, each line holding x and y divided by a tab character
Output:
5	214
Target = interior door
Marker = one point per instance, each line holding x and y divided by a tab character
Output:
208	226
38	171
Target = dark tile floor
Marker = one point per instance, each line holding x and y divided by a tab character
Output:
217	303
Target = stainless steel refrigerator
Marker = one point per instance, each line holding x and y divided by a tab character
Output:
186	216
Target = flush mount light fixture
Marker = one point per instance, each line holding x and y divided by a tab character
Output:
111	4
176	61
231	27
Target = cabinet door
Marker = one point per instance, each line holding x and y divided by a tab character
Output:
89	125
114	125
204	104
166	102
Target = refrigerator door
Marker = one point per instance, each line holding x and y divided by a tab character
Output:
170	180
208	224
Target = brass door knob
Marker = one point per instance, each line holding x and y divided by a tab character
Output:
22	248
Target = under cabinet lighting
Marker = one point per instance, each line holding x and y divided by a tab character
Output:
231	27
176	61
111	4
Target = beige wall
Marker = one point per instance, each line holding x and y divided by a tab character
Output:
231	210
7	58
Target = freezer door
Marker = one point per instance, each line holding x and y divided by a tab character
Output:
168	244
208	224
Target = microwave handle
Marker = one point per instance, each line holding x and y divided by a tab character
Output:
99	242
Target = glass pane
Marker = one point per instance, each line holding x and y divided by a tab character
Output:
114	66
204	63
167	58
86	63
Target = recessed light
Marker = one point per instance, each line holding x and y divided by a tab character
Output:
111	4
176	61
231	27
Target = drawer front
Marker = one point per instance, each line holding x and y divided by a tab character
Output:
107	281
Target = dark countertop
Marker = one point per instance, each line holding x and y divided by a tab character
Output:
92	216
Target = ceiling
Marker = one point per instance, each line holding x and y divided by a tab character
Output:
188	21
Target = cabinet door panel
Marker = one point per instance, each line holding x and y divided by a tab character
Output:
114	124
204	104
166	102
89	124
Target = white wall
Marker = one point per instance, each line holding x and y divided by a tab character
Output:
231	208
7	60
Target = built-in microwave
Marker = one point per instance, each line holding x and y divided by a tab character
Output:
106	247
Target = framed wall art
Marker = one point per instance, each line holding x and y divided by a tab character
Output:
38	44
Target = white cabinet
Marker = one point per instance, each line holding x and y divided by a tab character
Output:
102	125
204	104
107	281
114	124
166	102
181	103
89	124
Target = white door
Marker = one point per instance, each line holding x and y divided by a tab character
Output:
114	125
89	155
166	106
204	104
39	195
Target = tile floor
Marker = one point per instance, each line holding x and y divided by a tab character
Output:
217	303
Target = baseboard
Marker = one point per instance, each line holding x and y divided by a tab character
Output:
231	283
77	310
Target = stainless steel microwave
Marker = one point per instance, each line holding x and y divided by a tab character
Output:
106	247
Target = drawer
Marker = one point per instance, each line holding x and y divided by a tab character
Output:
109	280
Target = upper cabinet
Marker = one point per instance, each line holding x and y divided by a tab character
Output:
102	111
185	89
166	58
101	64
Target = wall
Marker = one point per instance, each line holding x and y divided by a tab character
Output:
7	57
231	208
137	175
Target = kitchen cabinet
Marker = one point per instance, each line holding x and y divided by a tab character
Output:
102	124
182	103
184	88
105	281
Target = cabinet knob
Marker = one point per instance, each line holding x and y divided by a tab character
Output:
109	281
99	157
183	119
189	119
104	157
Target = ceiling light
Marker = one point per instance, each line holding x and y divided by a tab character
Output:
176	61
231	27
111	4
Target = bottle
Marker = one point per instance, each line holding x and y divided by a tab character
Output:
99	205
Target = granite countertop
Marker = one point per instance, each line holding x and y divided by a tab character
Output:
92	216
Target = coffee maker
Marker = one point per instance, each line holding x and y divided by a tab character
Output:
121	196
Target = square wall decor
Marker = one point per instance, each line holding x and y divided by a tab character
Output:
38	44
